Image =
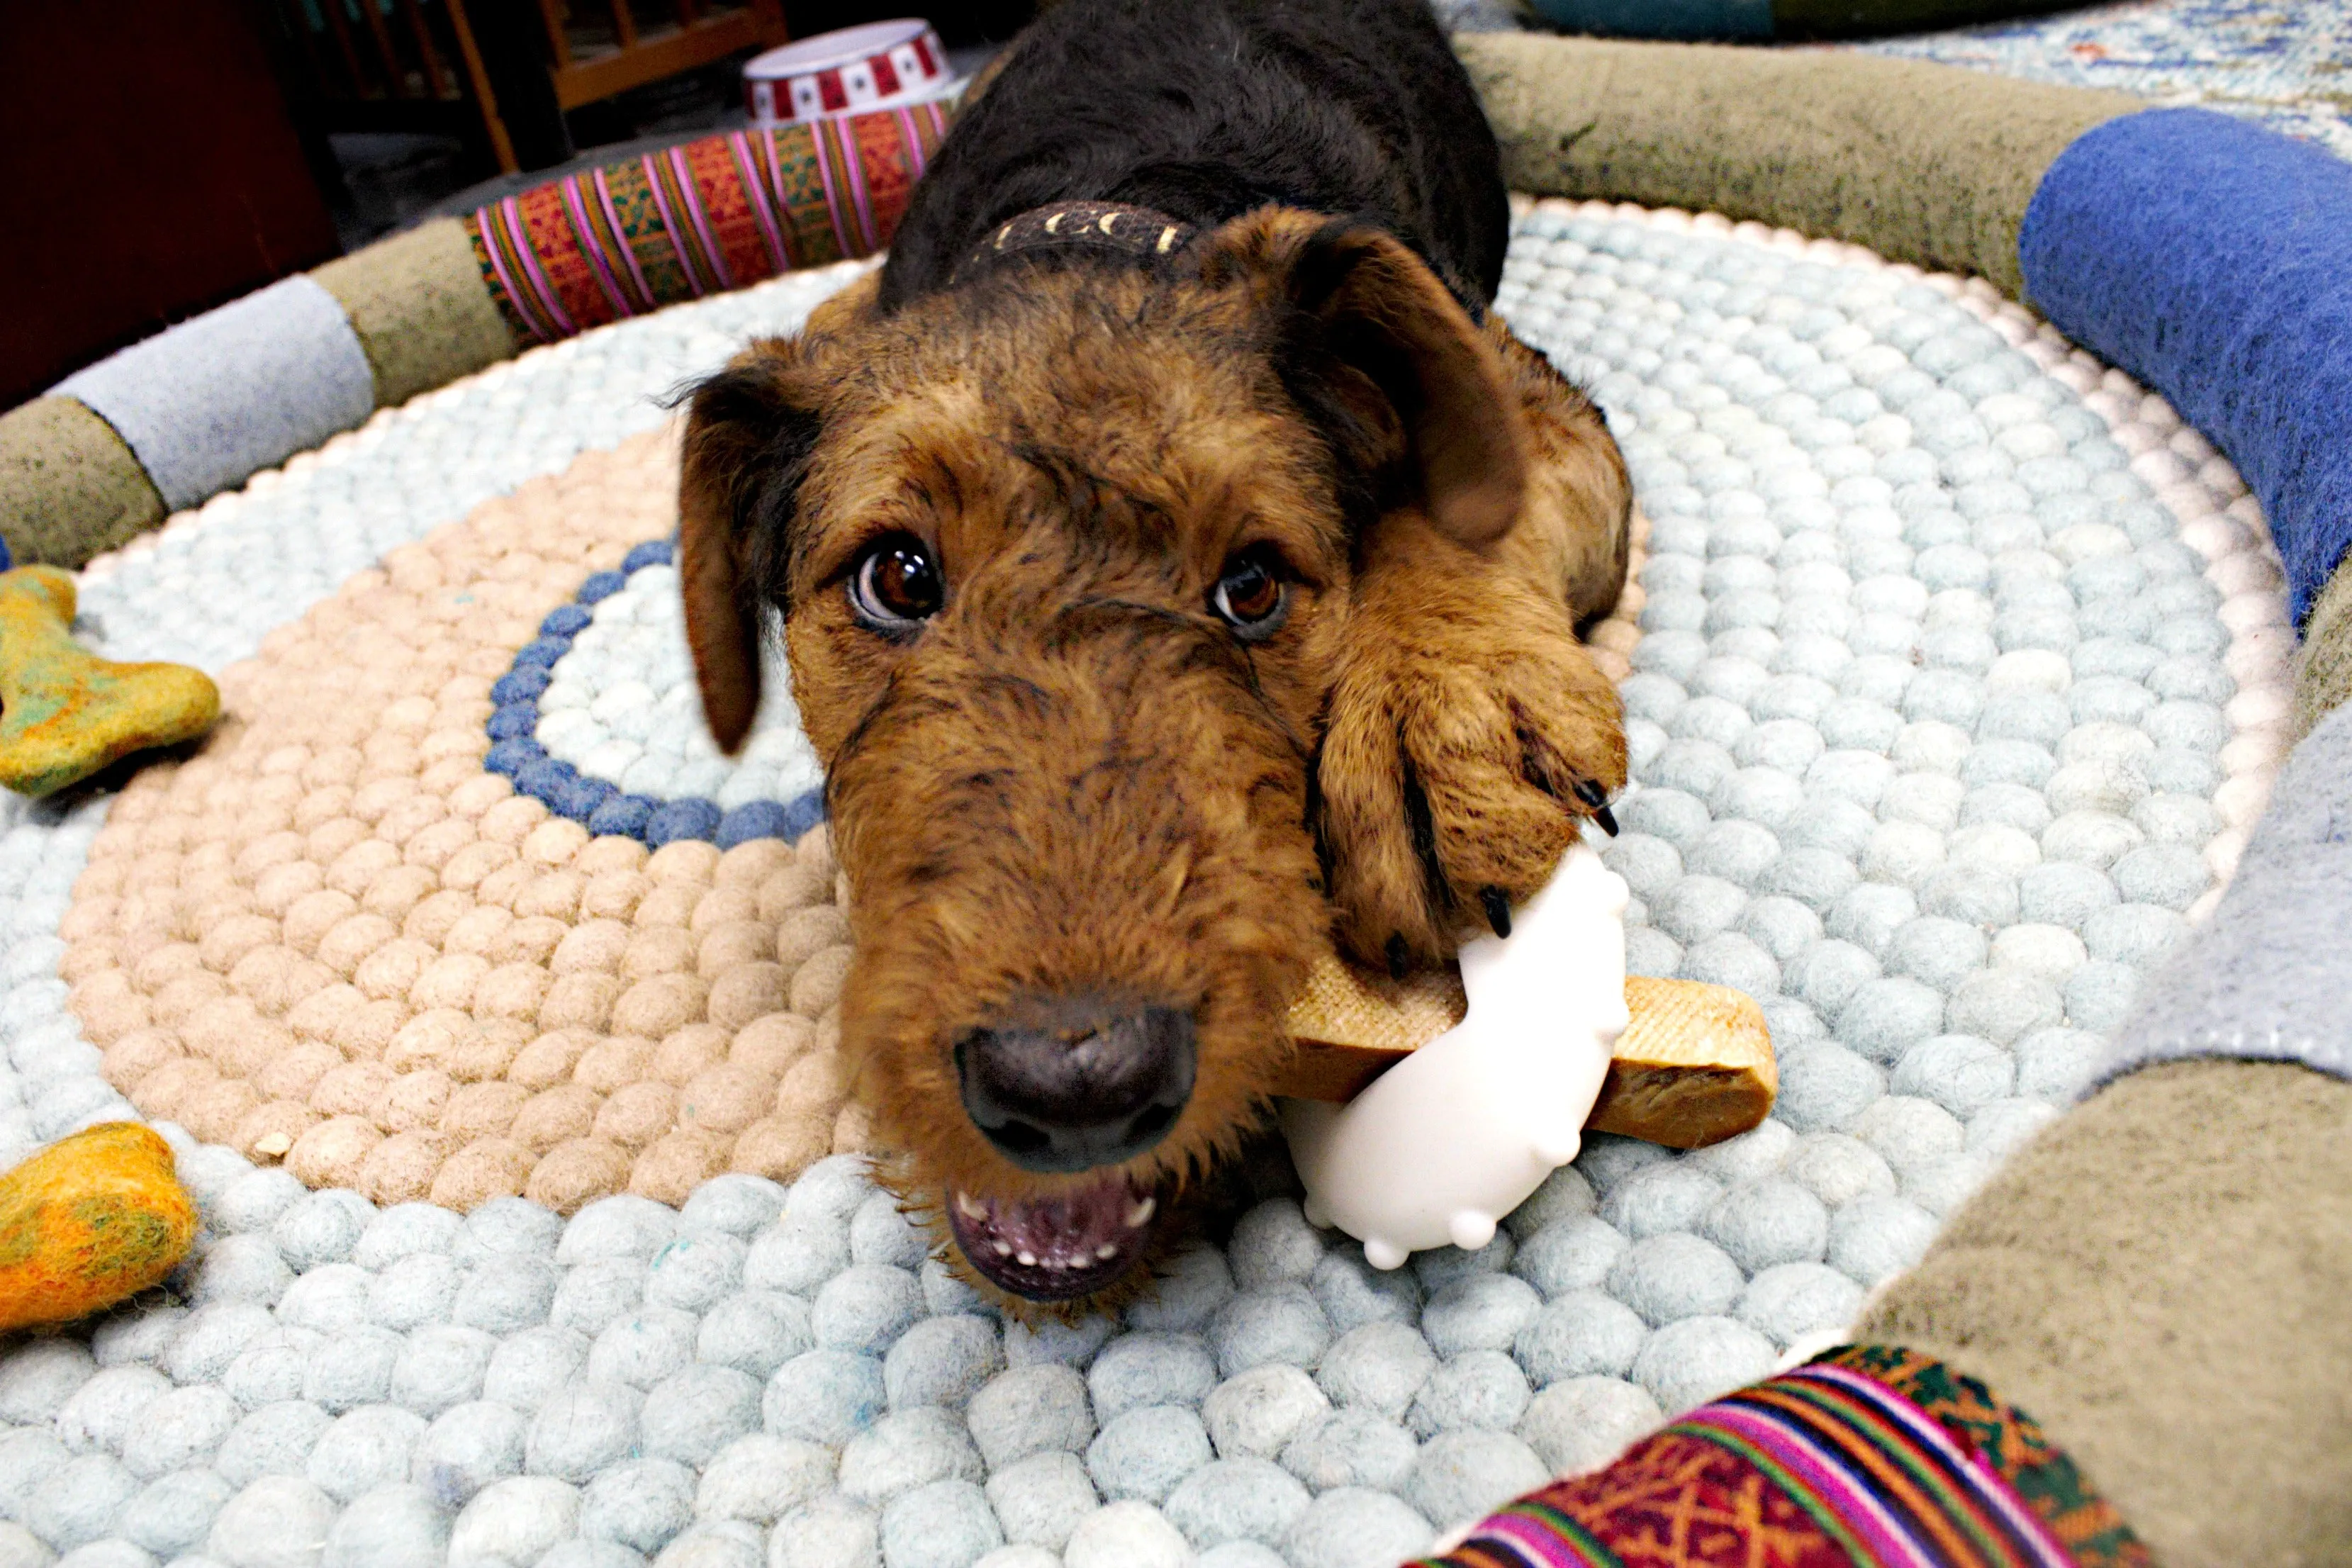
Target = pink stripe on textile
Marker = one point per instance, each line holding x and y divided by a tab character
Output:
766	185
568	190
818	138
935	112
621	238
1929	1434
853	173
671	226
914	142
512	211
486	221
691	195
1537	1542
1824	1476
754	176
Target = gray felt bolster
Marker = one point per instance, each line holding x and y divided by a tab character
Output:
2270	977
235	390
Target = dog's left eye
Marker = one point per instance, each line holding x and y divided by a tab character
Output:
895	587
1250	597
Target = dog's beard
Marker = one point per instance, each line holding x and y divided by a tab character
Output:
1060	1247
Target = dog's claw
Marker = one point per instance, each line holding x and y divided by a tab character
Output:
1498	909
1400	958
1593	795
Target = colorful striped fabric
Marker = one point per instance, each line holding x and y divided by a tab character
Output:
1869	1458
710	214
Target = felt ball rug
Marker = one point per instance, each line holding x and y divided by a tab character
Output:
490	1013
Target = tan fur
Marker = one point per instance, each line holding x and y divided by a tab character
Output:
1075	779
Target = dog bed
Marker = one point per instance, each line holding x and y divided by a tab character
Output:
1934	772
1865	728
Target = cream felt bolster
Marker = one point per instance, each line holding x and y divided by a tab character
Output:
1458	1133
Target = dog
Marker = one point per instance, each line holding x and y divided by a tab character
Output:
1180	572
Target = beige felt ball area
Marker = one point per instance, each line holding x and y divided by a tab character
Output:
329	937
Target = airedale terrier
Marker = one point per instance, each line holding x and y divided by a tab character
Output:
1180	571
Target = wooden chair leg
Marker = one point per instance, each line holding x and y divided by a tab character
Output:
502	145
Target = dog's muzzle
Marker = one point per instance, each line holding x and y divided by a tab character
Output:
1093	1087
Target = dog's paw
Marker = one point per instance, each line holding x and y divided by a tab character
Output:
1466	744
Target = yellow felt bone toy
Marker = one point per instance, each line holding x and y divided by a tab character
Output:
64	713
89	1221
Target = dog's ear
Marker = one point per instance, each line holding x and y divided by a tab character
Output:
1372	339
749	432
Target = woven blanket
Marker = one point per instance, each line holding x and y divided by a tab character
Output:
699	218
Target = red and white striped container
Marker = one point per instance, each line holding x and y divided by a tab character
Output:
882	65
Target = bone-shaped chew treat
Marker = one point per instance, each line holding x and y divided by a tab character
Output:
1470	1118
1693	1067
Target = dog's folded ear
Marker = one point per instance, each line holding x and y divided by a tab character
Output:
749	432
1373	341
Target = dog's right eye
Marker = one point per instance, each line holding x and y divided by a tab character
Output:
1250	596
895	587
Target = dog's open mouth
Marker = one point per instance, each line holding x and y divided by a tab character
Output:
1055	1248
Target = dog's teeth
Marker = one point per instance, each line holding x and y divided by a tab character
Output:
1106	1252
1139	1213
1027	1261
1003	1249
970	1208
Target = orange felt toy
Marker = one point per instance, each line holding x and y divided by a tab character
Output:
89	1221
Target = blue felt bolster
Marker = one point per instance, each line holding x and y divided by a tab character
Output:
2213	260
1689	20
236	390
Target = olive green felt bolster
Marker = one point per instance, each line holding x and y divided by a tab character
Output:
69	487
2323	679
2161	1278
1924	164
417	302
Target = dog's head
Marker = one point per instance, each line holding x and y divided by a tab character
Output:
1064	562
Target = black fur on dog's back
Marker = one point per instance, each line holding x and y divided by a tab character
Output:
1205	110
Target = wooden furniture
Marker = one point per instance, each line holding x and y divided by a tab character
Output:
599	49
429	65
396	65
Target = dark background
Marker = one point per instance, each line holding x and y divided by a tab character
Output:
166	157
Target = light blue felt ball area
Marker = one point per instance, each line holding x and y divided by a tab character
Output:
599	719
621	705
1926	720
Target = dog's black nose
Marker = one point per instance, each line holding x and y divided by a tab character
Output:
1096	1087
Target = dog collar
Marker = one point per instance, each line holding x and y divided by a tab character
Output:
1114	228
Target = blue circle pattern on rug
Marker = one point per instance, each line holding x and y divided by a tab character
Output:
600	803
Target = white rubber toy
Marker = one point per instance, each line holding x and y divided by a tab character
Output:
1456	1135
